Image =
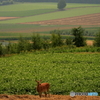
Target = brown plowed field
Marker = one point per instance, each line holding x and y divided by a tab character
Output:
52	97
6	18
91	19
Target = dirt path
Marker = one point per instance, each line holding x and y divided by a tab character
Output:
52	97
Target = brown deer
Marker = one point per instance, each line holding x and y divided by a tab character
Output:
42	87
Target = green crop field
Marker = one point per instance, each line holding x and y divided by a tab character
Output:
54	15
79	72
66	72
25	9
14	31
30	12
29	9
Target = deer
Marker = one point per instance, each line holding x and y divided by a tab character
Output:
42	88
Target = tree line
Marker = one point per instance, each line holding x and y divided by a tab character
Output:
68	1
5	2
38	43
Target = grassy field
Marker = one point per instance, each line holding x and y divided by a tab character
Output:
54	15
29	9
25	9
65	72
13	32
29	12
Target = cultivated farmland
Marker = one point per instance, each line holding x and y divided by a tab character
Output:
91	19
64	71
47	16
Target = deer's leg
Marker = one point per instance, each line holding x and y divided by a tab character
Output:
40	94
48	93
45	94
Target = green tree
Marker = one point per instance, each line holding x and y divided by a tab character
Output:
12	48
37	42
23	45
97	39
78	40
45	44
68	41
27	46
1	53
56	40
61	4
20	44
6	2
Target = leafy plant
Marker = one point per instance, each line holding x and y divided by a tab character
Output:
64	71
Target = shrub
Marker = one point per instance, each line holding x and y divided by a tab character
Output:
78	40
36	42
68	41
1	49
97	39
56	40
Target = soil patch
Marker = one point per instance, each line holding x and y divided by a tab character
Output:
52	97
6	18
91	19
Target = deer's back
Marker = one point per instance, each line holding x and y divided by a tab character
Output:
43	87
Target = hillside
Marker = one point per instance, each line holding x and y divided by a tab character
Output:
44	17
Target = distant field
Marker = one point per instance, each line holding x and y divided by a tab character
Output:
54	15
26	9
42	11
33	12
29	9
